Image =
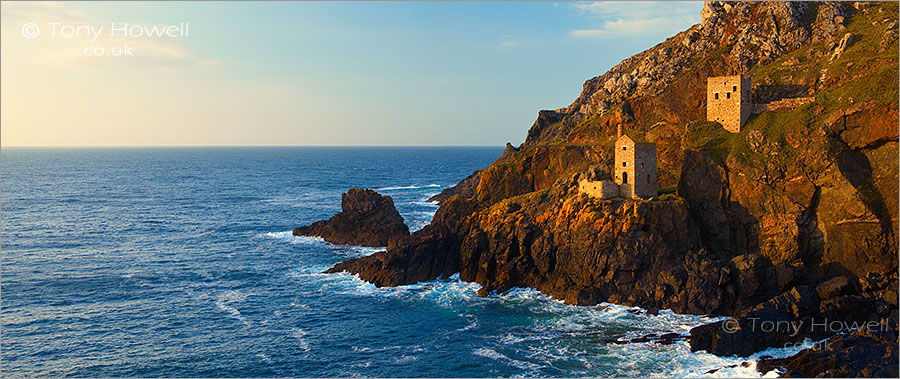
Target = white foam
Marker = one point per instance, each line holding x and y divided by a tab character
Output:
424	202
223	299
341	283
681	362
264	357
417	225
489	353
290	237
298	334
529	367
542	342
473	322
351	251
452	292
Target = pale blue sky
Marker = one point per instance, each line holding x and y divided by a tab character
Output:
315	73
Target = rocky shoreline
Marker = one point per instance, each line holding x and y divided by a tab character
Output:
789	227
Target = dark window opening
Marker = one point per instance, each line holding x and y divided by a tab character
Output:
624	164
624	177
717	96
623	148
734	88
648	178
727	95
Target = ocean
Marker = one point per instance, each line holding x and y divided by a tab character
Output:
179	262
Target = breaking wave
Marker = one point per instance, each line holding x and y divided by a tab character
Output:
355	251
549	334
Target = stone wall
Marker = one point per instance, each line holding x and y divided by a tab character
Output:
624	165
728	101
644	182
635	168
782	105
603	189
788	104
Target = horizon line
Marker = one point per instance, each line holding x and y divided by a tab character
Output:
177	146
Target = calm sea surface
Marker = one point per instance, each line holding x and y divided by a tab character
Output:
180	262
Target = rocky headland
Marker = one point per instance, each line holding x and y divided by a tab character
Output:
366	219
792	221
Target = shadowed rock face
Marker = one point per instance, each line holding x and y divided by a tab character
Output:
366	219
868	352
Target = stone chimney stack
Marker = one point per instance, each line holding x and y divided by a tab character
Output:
620	132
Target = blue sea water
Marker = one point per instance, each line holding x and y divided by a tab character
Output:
180	262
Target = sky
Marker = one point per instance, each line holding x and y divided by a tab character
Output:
307	73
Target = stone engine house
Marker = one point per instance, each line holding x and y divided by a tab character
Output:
635	167
634	171
728	101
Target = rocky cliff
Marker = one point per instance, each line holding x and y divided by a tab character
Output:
366	219
794	218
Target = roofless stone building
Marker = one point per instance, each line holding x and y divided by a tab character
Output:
728	101
634	170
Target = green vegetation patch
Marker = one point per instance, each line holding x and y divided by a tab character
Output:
708	137
668	189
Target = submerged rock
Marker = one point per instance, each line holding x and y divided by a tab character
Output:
366	219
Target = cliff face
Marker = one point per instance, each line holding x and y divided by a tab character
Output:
815	186
586	250
576	248
762	220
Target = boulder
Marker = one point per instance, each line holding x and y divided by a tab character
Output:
870	351
842	46
774	323
832	287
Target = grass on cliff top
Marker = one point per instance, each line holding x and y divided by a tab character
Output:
713	140
869	70
502	172
864	73
774	125
708	137
876	84
864	70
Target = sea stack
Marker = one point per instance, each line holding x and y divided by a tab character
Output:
366	219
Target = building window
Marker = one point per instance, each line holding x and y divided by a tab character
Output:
624	177
734	88
624	148
624	164
642	165
727	95
717	95
648	178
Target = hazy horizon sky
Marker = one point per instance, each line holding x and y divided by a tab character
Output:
308	73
